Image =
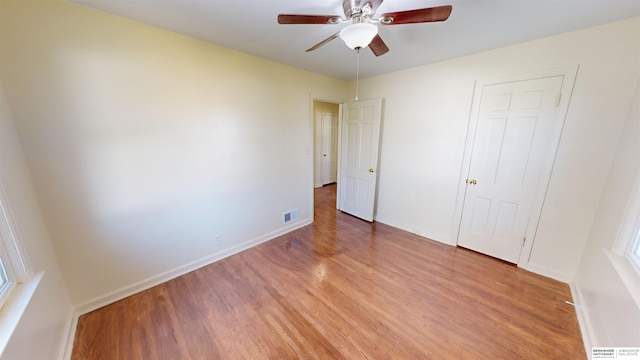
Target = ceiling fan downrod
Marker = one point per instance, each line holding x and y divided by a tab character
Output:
357	70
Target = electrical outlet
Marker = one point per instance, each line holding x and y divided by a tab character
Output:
218	240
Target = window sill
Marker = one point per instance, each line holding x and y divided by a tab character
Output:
14	308
627	273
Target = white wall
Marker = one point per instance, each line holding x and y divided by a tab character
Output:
145	145
611	315
320	107
46	319
425	122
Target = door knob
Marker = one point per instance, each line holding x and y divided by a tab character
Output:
371	170
324	154
472	182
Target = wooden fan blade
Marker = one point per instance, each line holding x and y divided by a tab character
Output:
438	13
378	46
323	42
308	19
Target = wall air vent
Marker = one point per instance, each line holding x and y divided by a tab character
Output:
290	216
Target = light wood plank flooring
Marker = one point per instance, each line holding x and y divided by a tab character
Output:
341	288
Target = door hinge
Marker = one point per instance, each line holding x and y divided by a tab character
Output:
524	239
558	99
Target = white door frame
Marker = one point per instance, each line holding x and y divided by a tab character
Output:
311	141
570	74
317	146
339	154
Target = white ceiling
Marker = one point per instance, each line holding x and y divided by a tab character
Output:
474	26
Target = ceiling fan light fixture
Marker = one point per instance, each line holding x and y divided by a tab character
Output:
358	35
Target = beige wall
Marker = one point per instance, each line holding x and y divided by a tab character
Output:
145	145
426	115
322	106
47	317
611	315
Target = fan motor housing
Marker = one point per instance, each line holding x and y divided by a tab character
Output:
357	8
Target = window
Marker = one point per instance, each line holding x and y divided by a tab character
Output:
6	284
634	250
4	280
625	254
13	267
17	282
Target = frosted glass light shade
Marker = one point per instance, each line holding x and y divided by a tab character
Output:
358	35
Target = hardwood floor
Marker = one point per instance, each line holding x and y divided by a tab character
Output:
341	288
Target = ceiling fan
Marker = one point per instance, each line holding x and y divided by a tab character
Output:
362	30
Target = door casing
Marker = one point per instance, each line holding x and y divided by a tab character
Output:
310	150
569	74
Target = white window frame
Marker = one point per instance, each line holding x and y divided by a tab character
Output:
633	250
621	256
16	267
22	282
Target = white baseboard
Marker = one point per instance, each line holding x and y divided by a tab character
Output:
70	335
540	270
181	270
72	322
407	229
583	318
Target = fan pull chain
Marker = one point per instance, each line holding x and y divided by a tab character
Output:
357	70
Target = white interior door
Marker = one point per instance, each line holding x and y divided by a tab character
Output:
329	148
359	139
515	140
